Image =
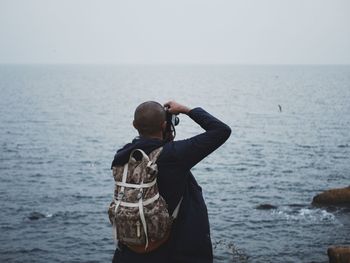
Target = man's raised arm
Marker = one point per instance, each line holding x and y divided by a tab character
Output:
193	150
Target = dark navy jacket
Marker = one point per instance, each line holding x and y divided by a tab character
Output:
190	237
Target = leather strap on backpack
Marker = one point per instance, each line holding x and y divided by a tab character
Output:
152	245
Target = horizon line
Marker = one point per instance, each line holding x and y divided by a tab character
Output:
169	64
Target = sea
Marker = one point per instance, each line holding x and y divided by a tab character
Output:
60	126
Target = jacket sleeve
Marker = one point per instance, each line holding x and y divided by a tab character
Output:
191	151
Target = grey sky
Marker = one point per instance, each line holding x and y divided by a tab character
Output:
176	31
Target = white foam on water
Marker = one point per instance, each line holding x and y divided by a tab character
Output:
48	215
305	214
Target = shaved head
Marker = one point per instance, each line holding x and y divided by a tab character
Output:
149	118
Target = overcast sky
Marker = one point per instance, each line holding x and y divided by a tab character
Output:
175	31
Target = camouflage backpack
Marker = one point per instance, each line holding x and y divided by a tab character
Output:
138	213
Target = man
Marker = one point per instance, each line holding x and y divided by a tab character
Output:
189	240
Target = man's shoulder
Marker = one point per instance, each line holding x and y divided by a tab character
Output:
170	151
167	151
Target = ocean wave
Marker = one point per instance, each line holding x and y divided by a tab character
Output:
23	251
304	214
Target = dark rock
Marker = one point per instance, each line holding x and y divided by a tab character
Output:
340	196
36	216
266	207
339	254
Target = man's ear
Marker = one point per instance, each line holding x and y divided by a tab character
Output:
134	124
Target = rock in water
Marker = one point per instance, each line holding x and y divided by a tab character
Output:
265	207
339	254
35	216
340	196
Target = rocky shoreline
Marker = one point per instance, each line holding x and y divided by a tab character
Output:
335	197
339	254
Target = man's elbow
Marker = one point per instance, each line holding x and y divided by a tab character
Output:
226	132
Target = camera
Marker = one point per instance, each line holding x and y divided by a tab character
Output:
171	121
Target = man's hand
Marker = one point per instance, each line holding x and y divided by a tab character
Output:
176	108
